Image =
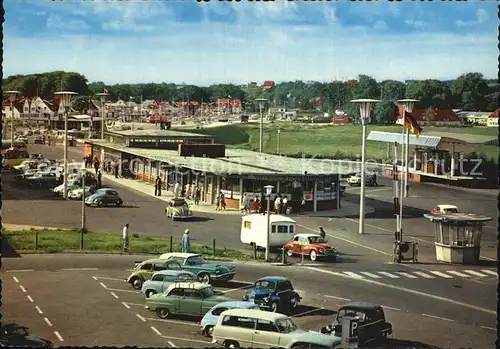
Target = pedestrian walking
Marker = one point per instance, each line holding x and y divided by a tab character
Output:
125	238
302	205
158	185
177	189
186	242
285	205
188	191
277	204
197	196
96	164
322	233
99	179
262	203
116	168
222	201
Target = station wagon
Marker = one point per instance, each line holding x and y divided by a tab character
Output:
163	279
210	319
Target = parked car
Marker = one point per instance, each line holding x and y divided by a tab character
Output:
25	165
20	178
244	328
372	322
144	270
104	197
210	319
178	208
187	298
312	341
355	180
77	193
444	209
312	246
206	272
71	186
161	280
16	335
42	180
274	293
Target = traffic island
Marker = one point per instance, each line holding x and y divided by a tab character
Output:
48	240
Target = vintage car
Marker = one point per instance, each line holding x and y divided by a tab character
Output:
104	197
42	180
163	279
444	209
187	298
372	323
77	193
20	178
16	335
355	180
312	246
206	272
178	208
274	293
144	270
210	319
245	328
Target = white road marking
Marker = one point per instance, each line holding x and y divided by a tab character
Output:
237	289
392	308
353	275
475	273
335	297
19	270
375	276
125	305
120	290
15	279
392	276
171	344
424	275
438	317
491	272
47	321
59	336
106	278
103	285
95	278
242	282
443	275
409	290
136	304
457	273
114	295
79	269
156	331
189	340
308	312
406	275
30	299
140	317
172	321
489	328
22	288
38	309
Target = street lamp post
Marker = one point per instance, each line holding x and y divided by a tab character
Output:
66	98
262	103
102	97
365	108
278	142
269	190
12	98
408	108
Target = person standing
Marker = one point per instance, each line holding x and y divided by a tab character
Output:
125	238
99	179
177	189
262	203
158	185
186	242
322	233
222	201
285	204
116	168
302	205
197	196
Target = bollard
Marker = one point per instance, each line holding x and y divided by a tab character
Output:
302	256
283	255
81	239
171	243
36	239
213	248
254	246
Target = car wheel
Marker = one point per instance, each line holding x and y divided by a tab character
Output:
205	278
209	331
136	283
294	302
99	203
149	293
231	344
289	253
88	205
162	313
313	255
119	203
274	307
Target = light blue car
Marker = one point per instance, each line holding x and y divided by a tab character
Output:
161	280
210	319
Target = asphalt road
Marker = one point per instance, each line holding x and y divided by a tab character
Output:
96	307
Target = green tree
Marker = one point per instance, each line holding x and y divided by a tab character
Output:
392	90
383	111
470	91
431	93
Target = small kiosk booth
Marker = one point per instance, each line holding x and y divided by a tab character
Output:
458	236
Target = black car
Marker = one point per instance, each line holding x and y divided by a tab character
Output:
42	180
372	323
274	293
15	335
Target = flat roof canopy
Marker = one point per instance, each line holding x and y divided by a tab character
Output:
157	133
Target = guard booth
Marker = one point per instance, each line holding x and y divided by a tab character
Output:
458	236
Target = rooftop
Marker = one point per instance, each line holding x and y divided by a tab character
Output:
433	139
156	133
457	217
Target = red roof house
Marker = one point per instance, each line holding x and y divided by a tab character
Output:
268	84
440	115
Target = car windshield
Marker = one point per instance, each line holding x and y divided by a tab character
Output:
450	210
178	203
265	285
316	240
207	292
195	260
286	325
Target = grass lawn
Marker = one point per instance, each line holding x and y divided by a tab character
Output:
340	142
53	241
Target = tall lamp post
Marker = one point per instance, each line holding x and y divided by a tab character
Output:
12	98
269	190
365	108
102	96
408	108
262	103
66	98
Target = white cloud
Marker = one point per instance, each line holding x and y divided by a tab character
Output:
57	22
416	24
380	25
481	17
203	54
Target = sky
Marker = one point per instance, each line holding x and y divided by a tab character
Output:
183	41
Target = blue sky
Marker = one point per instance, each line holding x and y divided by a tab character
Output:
203	43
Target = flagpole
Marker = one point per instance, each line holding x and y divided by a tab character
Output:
90	115
406	161
401	181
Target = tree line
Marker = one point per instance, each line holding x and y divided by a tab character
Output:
470	91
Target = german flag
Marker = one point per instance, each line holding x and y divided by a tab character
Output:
411	124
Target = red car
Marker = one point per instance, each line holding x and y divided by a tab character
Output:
312	246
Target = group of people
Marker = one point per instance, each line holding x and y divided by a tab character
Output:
279	206
189	191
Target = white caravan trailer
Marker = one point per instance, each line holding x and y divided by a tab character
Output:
253	230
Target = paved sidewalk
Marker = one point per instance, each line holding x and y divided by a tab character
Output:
21	227
347	208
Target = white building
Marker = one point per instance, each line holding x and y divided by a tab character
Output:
36	109
7	113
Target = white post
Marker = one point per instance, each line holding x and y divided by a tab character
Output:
337	194
84	172
103	100
415	160
268	226
12	123
395	180
65	175
401	181
453	161
407	161
278	187
261	134
241	191
315	196
362	193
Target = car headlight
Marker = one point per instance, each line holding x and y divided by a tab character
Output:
321	250
245	297
266	299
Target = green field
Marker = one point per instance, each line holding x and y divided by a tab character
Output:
339	142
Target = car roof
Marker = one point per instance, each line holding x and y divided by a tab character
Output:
179	254
157	260
236	304
361	305
307	235
255	313
172	272
445	207
275	218
273	278
190	285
